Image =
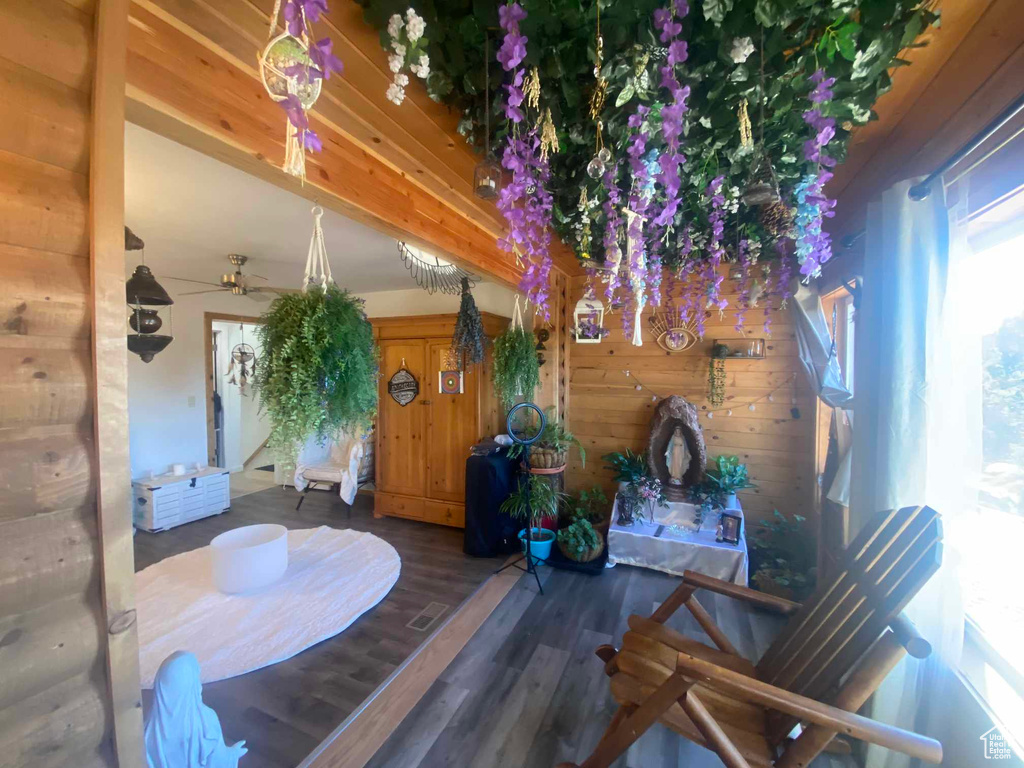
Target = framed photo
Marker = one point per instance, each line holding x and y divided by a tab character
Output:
730	528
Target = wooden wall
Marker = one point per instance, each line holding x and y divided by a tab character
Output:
54	693
607	413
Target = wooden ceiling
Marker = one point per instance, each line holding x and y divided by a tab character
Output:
406	171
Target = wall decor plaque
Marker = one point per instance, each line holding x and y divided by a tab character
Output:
403	386
449	382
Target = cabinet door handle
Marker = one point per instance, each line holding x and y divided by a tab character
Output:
424	402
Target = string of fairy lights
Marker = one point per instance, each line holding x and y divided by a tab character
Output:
769	397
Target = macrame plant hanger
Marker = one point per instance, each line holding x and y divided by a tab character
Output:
517	315
318	268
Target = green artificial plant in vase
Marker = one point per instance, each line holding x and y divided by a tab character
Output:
552	447
718	488
639	490
318	370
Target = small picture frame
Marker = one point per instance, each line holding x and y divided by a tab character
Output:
730	528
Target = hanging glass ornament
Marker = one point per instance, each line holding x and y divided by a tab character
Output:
595	168
762	186
605	155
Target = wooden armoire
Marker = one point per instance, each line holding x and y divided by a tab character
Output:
422	447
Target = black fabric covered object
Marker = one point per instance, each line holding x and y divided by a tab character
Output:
489	481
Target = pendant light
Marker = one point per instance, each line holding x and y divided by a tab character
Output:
487	173
142	290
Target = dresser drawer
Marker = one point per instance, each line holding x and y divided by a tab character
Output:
397	506
445	513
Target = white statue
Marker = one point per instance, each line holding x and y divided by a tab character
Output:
677	457
181	731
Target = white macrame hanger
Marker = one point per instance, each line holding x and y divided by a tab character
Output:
318	269
517	315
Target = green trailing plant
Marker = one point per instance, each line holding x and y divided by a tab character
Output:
516	371
469	339
555	437
716	375
627	465
782	557
534	500
579	538
318	369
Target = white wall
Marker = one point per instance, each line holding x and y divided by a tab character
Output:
245	427
167	397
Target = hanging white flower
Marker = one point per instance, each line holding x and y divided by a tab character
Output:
424	68
742	47
395	25
395	62
399	49
415	27
395	93
402	79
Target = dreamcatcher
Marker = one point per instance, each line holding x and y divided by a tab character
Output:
242	365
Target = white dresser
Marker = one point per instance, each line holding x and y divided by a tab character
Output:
165	501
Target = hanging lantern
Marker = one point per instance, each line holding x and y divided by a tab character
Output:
589	317
487	173
142	290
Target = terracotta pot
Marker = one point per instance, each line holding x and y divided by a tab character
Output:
586	557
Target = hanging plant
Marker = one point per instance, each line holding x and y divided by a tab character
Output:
319	368
468	339
516	372
716	375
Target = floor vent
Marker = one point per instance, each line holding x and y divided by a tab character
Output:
428	617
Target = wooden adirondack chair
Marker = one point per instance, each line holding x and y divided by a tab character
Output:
837	647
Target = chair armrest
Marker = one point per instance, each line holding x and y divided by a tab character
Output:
806	709
752	596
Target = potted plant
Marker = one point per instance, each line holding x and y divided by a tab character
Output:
319	368
580	542
782	557
516	371
591	505
534	500
718	489
552	448
729	476
639	491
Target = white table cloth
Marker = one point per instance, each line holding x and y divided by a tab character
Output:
666	546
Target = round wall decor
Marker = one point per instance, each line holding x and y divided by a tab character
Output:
403	386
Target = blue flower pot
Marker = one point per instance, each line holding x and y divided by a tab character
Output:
540	551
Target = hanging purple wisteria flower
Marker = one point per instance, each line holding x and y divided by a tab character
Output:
813	244
525	201
672	159
711	278
745	283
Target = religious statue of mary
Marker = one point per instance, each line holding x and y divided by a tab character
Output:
677	457
181	731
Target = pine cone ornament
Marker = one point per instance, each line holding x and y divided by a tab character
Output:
777	219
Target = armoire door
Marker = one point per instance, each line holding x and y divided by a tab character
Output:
402	456
452	428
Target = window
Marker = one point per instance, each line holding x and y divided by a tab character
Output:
990	541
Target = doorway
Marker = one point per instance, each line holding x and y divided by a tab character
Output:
237	428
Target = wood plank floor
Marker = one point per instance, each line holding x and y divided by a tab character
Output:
285	710
528	692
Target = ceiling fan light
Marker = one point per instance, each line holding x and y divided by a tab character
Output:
142	288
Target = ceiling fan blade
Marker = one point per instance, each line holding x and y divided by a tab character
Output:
187	280
259	296
258	277
196	293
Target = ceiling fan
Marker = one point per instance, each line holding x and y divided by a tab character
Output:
235	282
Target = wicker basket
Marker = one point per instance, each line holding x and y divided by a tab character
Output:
586	557
547	458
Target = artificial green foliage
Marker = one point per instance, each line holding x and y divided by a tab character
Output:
554	437
318	369
579	538
516	371
627	466
782	557
469	338
726	475
856	41
534	499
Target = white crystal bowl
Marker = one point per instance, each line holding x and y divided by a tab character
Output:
249	558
